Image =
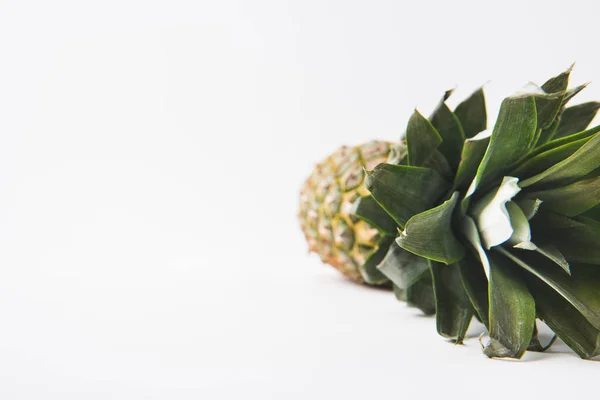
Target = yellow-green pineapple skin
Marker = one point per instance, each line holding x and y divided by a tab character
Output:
341	239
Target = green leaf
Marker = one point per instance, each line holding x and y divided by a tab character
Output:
547	107
367	209
449	128
570	200
368	270
401	267
552	131
491	216
447	94
565	320
420	294
578	165
470	232
582	289
476	286
521	238
576	119
535	344
399	293
511	312
404	191
421	138
511	139
429	234
472	114
547	134
553	254
529	207
577	239
553	144
558	83
472	154
573	92
593	213
453	308
543	161
439	164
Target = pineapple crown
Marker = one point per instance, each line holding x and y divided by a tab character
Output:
502	226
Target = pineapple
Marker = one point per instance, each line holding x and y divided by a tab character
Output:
503	226
326	200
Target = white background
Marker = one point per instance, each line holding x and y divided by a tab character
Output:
151	154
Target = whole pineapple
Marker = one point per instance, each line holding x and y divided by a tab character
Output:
503	226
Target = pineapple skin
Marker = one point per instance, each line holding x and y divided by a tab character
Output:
338	237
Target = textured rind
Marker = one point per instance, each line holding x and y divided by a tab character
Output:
341	240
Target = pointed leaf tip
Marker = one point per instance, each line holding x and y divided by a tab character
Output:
422	139
404	191
472	113
430	235
451	131
511	312
512	137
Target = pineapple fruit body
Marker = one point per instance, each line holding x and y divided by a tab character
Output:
341	239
